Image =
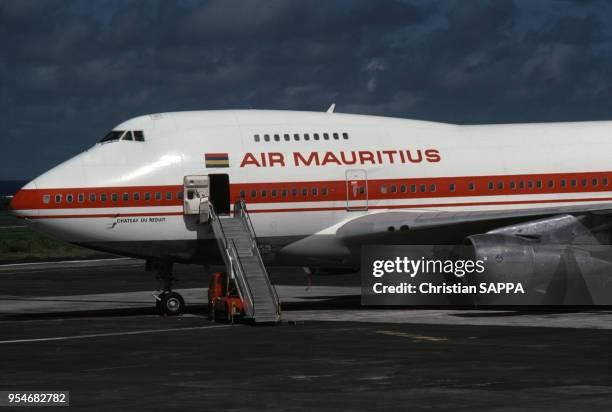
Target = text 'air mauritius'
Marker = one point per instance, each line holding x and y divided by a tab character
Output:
363	157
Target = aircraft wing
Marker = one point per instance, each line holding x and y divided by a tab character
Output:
343	240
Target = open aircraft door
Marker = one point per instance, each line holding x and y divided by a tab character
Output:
196	196
356	190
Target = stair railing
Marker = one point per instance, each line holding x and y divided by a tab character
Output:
240	209
229	252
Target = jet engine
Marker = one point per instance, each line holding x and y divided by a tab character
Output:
552	269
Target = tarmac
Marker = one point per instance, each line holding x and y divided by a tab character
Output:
90	327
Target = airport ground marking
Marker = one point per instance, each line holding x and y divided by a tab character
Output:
64	261
412	336
102	335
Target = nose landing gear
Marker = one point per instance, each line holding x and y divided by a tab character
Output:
170	303
167	302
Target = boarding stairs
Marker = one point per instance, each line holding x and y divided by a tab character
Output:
238	245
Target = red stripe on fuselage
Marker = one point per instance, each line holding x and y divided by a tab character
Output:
32	199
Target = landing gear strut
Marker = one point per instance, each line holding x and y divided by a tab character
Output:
167	302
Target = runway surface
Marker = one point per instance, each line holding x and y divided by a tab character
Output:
89	327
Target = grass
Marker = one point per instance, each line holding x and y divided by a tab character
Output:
19	243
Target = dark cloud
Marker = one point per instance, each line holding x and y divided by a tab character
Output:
71	70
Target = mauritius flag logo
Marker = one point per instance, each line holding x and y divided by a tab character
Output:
216	159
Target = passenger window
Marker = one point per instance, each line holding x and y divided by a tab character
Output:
383	189
306	136
92	197
513	185
500	185
81	197
284	192
335	136
326	136
147	196
521	184
46	199
273	192
242	194
451	187
304	191
574	183
138	136
584	182
594	182
539	184
296	137
530	184
490	185
58	198
69	198
294	191
179	195
276	138
314	191
432	187
393	189
412	188
103	197
316	136
324	191
128	136
136	196
563	183
264	193
253	193
168	195
287	137
256	137
345	136
423	188
604	181
158	196
471	186
126	197
403	188
267	137
551	184
114	197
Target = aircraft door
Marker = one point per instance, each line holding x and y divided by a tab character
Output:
220	193
356	190
196	196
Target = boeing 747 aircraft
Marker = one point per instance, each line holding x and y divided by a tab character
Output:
309	189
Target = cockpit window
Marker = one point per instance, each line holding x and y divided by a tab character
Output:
131	135
114	135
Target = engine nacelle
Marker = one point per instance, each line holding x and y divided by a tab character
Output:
544	269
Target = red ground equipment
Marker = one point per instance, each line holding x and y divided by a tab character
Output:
224	303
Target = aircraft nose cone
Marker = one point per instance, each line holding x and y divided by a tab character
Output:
24	202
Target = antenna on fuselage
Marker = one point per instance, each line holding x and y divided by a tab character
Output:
331	108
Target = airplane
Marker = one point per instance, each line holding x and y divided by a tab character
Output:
319	185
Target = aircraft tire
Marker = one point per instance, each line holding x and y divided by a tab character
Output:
171	304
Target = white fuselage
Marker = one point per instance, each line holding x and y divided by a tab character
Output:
296	188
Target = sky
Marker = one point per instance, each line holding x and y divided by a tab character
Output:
72	70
